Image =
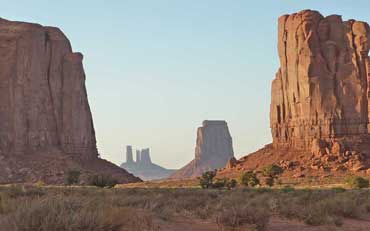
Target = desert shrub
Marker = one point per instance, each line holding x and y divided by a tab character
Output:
357	182
338	189
269	181
219	183
102	181
16	191
40	183
272	171
249	179
58	213
231	183
206	180
287	189
72	177
238	216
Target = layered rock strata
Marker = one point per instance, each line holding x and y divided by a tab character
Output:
321	88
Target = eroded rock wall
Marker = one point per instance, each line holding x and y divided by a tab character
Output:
43	99
321	88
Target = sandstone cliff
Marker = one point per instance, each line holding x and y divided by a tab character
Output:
321	88
213	150
43	107
319	112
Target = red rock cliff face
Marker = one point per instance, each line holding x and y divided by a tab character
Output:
46	127
43	100
321	89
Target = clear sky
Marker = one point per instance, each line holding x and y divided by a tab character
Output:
157	68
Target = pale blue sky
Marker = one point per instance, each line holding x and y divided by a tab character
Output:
157	68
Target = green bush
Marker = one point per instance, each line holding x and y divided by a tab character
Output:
206	180
249	179
72	177
219	183
338	189
230	184
357	182
272	170
287	189
102	181
269	181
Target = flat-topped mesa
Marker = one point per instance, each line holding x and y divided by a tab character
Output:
214	142
212	151
321	90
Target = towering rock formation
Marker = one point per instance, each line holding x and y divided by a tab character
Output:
321	89
44	106
213	149
144	168
138	156
129	158
44	102
145	156
319	113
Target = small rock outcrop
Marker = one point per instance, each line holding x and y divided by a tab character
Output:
143	167
44	108
213	149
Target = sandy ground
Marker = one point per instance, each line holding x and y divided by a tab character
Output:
276	224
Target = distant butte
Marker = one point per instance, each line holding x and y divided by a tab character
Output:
143	167
213	150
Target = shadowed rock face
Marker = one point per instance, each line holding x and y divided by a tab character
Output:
44	111
213	149
321	89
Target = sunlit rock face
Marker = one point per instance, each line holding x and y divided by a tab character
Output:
43	100
321	90
212	151
46	127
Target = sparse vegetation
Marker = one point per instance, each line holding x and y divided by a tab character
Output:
272	172
73	177
231	183
249	179
90	208
269	181
357	182
102	181
206	180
